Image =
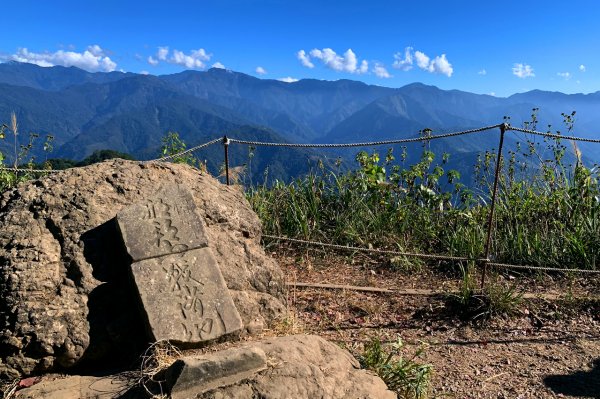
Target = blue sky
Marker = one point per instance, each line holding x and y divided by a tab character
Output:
481	46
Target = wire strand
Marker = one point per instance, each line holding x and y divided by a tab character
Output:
365	144
542	268
430	256
168	157
371	250
552	135
26	170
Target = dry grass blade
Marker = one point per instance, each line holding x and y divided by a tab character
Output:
9	388
155	359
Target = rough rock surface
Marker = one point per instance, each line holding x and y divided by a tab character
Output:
66	295
299	367
306	367
122	386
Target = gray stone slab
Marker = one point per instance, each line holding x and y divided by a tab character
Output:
163	224
185	297
82	387
192	376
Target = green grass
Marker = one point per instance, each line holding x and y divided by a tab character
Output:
404	375
549	216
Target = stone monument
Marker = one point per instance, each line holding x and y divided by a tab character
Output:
181	288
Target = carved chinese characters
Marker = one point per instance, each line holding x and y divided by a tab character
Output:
183	293
164	224
185	297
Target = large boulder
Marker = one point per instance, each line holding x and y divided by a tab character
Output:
65	281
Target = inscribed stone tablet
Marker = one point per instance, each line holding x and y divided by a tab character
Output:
164	224
185	297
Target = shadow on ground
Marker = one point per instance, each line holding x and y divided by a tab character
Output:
580	383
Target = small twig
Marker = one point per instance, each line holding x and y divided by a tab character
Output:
495	376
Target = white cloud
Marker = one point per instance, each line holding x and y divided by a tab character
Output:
193	60
218	65
92	59
348	62
196	59
96	50
289	79
482	72
162	53
493	93
582	68
439	64
565	75
422	60
380	71
523	71
144	73
404	62
304	59
152	61
260	70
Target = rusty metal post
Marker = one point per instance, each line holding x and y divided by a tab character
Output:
226	146
488	241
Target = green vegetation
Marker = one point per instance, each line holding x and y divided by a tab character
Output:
547	214
20	154
471	304
172	145
23	159
405	376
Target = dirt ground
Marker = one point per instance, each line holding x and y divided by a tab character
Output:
548	348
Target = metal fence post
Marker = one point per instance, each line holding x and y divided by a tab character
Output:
488	241
226	147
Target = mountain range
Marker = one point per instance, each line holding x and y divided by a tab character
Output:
130	113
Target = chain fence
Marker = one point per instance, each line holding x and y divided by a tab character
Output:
429	256
504	127
365	144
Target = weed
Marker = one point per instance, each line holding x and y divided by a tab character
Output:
172	145
21	155
406	376
495	300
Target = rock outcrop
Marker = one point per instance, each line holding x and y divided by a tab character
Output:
64	272
299	367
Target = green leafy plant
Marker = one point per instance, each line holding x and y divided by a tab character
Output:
404	375
172	145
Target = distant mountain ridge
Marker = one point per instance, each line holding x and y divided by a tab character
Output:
130	113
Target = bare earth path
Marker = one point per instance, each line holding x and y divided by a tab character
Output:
548	349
